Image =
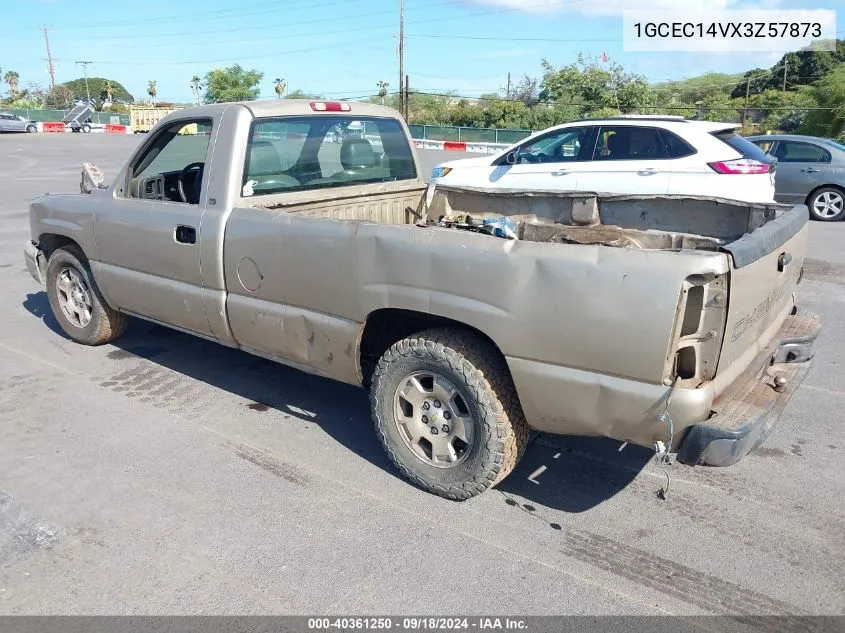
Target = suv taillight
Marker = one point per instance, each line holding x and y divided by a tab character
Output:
740	166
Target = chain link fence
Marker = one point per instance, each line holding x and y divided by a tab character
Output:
467	134
422	132
58	115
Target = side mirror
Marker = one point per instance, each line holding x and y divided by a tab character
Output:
512	158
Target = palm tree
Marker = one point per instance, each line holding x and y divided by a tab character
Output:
109	89
382	90
151	90
280	88
11	78
196	86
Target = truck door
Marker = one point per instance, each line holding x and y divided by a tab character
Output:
147	231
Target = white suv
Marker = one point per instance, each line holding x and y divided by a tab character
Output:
626	155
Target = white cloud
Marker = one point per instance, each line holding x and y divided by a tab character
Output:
599	8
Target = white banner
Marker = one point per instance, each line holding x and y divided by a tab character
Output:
746	30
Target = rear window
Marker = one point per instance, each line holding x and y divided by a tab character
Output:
838	146
675	145
312	152
742	145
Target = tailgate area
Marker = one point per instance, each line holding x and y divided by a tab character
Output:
745	413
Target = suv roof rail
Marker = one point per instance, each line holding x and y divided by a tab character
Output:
650	117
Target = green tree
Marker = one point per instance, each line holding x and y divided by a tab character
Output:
780	111
60	97
299	94
382	90
196	88
802	68
593	85
11	78
688	91
829	93
100	87
232	84
756	81
152	90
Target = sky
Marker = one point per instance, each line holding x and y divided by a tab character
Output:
342	48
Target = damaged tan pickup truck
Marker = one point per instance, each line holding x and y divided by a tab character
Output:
472	316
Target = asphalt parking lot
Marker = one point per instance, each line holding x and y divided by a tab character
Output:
164	474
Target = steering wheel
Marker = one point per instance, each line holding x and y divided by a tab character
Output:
539	157
198	179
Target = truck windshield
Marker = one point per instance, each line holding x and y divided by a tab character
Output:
310	152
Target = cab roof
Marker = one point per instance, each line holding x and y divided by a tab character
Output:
294	107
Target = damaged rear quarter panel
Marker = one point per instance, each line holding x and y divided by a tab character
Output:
595	320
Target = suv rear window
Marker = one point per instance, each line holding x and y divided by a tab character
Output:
310	152
675	145
742	145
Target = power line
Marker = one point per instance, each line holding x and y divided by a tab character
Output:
513	39
244	10
253	28
239	58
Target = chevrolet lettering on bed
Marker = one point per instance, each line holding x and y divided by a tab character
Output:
302	232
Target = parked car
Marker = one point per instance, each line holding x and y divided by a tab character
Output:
633	154
811	171
14	123
645	319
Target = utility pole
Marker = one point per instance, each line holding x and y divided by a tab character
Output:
401	55
508	96
785	63
50	68
745	107
407	112
85	72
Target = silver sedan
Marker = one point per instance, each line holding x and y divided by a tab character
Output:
810	170
14	123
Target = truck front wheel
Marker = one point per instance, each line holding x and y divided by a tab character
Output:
76	301
446	411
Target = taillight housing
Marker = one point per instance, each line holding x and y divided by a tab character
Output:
740	166
696	342
330	106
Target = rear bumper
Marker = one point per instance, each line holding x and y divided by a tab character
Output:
36	263
745	413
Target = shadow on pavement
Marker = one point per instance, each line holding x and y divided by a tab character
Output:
574	474
38	305
570	474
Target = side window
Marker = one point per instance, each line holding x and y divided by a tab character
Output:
629	143
173	166
297	153
766	146
560	147
676	147
795	152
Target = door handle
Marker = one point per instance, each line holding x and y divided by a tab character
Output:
810	170
783	261
186	234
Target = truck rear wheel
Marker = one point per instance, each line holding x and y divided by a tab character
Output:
446	411
76	301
